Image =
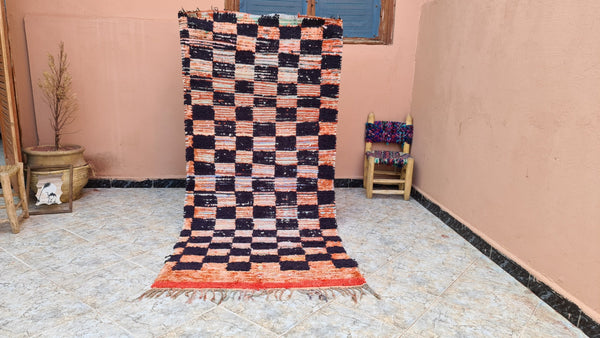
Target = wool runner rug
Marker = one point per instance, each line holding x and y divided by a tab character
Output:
261	104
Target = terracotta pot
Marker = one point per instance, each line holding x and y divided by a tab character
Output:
46	156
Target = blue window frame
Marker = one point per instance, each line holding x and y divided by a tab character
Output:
361	18
273	6
365	21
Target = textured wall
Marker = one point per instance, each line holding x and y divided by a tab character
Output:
125	59
506	104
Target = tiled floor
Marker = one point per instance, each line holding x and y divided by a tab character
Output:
79	274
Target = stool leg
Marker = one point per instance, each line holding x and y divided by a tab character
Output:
10	204
22	191
408	179
365	168
370	174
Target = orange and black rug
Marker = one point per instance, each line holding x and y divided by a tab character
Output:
261	104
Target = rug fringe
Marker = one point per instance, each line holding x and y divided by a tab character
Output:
220	295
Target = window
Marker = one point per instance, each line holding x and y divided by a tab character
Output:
365	21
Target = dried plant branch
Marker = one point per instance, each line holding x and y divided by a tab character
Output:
56	87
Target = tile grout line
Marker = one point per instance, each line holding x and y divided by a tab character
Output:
202	313
101	245
389	261
128	259
439	297
73	294
20	260
77	235
373	317
560	304
96	312
530	319
246	319
404	253
76	297
325	305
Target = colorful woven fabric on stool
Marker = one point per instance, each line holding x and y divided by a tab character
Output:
261	99
395	158
389	132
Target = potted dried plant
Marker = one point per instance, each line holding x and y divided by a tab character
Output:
57	91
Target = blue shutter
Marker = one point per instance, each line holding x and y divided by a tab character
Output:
361	17
292	7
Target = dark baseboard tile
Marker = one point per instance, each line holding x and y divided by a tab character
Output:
115	183
589	326
560	304
180	183
341	182
98	183
508	265
131	184
347	183
169	183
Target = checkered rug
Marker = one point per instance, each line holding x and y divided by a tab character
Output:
261	99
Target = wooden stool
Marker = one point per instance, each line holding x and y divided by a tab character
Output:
10	175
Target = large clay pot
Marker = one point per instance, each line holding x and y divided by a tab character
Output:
47	156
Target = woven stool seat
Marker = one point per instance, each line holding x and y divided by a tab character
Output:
395	158
11	178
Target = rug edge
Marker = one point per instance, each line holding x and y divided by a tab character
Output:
219	295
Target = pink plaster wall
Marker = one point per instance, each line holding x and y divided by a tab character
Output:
506	106
125	61
126	76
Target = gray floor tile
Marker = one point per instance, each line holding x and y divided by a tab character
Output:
220	322
340	321
79	274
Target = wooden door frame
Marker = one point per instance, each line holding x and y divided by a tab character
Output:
9	122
